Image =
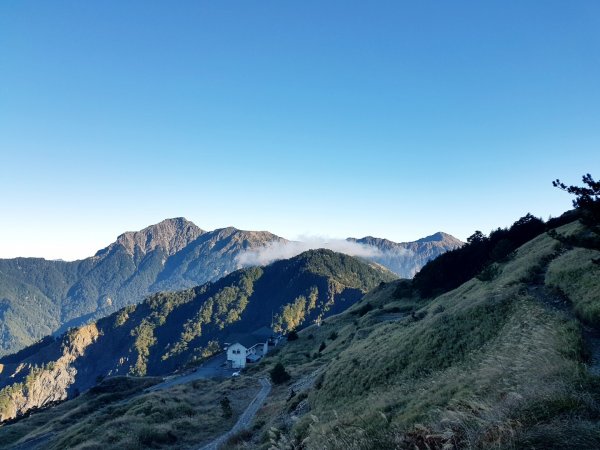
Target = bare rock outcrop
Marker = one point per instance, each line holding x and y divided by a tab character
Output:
48	383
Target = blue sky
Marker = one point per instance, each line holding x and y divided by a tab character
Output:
333	118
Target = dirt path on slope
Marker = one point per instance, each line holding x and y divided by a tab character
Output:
554	300
246	417
214	367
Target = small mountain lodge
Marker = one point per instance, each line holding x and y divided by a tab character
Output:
250	348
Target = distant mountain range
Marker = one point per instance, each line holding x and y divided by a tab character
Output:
406	258
172	329
39	297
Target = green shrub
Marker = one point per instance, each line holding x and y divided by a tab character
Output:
227	412
488	273
364	309
279	374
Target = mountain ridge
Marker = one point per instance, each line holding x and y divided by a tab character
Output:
171	329
406	258
170	234
506	359
39	297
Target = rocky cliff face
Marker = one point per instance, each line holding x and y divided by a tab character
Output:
33	383
170	235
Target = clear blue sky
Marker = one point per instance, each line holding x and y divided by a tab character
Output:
335	118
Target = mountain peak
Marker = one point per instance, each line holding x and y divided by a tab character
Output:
440	236
252	238
170	234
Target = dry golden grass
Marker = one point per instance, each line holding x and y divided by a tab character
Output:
578	278
483	366
181	417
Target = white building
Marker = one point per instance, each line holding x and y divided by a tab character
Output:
236	354
245	348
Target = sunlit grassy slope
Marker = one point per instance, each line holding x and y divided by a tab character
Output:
486	365
119	414
500	363
170	330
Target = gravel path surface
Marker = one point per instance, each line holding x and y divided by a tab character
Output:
246	417
214	367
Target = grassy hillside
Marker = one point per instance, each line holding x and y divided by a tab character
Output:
500	363
508	359
176	329
118	413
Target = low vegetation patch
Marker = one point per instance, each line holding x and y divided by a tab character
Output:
576	275
278	374
485	365
118	414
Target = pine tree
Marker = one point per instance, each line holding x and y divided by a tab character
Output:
587	199
279	374
226	407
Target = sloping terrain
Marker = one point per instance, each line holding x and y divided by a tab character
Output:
39	297
119	413
405	259
504	360
489	364
173	329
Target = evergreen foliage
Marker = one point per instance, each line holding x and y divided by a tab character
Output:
587	197
40	297
292	336
495	364
226	410
172	330
453	268
278	374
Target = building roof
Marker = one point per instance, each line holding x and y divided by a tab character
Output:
247	340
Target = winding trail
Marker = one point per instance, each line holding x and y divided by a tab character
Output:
246	417
213	367
554	300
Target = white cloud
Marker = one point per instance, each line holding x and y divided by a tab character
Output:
284	250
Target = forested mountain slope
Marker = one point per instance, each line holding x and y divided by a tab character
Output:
172	329
38	297
509	358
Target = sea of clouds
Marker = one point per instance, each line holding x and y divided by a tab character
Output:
283	250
